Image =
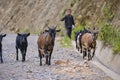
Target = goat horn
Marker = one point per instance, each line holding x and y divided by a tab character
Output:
49	27
56	26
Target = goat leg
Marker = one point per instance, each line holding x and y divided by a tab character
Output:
93	53
80	46
46	55
84	54
40	55
89	55
25	54
23	57
40	60
81	49
46	59
25	51
77	46
50	58
16	53
1	57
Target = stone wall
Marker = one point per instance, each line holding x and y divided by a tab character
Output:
106	57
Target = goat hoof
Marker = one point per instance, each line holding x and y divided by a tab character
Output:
23	60
40	64
80	51
92	57
17	59
89	59
49	64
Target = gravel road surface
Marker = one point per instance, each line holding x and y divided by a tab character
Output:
66	64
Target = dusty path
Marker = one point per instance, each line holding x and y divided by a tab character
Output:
66	64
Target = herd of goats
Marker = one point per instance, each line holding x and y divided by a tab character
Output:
85	42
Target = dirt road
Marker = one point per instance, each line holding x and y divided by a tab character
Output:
66	64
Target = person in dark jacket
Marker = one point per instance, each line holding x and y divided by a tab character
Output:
69	22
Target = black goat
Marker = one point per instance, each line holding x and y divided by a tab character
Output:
1	37
21	43
46	44
77	37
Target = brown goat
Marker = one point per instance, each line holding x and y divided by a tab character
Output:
46	44
88	42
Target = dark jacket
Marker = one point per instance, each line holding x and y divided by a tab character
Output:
69	21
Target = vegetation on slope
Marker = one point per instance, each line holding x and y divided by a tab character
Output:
111	36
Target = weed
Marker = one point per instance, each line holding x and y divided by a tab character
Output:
76	29
111	36
66	41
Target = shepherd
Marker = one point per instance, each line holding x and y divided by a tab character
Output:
69	22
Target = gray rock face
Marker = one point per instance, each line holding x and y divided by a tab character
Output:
29	15
34	15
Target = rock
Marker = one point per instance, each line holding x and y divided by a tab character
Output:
17	30
12	28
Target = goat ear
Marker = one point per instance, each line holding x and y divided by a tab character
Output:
46	30
18	34
58	30
3	35
96	34
96	31
27	34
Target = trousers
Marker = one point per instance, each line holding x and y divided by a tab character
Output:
69	30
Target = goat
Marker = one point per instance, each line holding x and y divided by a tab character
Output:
78	36
88	42
1	37
45	43
21	43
